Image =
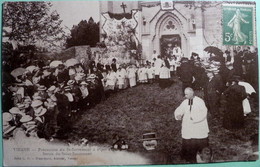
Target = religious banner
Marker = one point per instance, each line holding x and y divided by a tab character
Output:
121	34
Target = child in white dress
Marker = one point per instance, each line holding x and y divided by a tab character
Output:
142	74
131	72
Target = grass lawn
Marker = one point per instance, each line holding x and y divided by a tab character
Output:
132	112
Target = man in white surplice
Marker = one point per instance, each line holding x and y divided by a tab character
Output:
193	113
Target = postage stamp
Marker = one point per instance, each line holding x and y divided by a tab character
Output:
238	24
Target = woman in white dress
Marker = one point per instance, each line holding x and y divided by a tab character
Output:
142	74
120	76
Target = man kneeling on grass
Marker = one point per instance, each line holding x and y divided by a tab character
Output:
193	113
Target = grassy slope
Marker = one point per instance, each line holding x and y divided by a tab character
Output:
132	112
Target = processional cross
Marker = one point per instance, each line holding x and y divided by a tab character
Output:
123	6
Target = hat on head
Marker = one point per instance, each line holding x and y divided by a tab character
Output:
36	103
37	98
7	117
70	82
15	110
83	83
21	106
184	59
39	112
53	98
26	118
46	67
194	54
20	84
79	76
216	63
52	88
67	88
92	76
27	100
196	61
42	87
206	64
46	73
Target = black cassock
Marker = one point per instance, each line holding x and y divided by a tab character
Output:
212	92
234	114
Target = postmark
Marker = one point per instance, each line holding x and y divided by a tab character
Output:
238	24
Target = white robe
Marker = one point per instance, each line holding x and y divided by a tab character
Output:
121	75
194	119
131	72
111	79
157	65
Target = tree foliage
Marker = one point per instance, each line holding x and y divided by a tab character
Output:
85	33
30	22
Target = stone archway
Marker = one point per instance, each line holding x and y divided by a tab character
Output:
169	24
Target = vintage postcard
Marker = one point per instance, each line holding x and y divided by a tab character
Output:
129	83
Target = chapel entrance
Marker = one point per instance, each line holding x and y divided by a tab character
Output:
167	43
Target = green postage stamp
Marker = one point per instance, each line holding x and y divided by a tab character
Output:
238	24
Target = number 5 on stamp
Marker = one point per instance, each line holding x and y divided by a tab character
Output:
238	26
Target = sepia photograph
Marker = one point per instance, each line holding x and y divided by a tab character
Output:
90	83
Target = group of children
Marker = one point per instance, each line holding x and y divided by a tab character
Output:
131	75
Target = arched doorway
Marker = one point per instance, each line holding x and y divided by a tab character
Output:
169	31
167	42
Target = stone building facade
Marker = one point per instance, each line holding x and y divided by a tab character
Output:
192	25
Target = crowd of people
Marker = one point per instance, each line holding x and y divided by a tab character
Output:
227	89
47	96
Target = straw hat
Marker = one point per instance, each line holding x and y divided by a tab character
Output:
26	118
70	82
42	87
37	97
21	106
67	88
15	110
53	98
216	63
40	111
83	83
36	103
79	76
52	88
27	100
7	117
92	76
46	73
